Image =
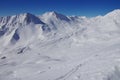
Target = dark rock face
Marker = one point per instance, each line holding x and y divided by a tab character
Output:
32	19
4	57
3	30
46	28
60	16
15	37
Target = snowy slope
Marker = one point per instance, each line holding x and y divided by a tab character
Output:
53	46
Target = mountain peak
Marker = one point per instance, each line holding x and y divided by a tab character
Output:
114	12
23	19
52	13
28	18
56	15
26	14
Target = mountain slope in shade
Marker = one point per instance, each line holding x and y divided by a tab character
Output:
53	46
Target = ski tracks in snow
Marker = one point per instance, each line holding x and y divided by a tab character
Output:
68	74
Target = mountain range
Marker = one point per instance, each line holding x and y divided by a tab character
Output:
54	46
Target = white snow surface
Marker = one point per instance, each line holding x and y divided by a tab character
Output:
53	46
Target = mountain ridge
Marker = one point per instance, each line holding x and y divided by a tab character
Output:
51	47
56	23
54	13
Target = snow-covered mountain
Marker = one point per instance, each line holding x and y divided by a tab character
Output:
53	46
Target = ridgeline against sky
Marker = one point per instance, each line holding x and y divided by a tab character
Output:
68	7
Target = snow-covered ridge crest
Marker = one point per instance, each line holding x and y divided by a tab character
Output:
55	15
114	13
25	18
55	23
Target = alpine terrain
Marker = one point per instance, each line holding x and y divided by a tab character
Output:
53	46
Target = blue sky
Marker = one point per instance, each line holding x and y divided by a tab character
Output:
67	7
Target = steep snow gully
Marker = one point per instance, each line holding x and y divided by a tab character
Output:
53	46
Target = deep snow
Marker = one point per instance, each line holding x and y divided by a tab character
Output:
53	46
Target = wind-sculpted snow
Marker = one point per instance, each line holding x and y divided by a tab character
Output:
53	46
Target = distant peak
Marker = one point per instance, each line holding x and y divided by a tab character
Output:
30	18
117	10
56	15
114	12
26	14
52	13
